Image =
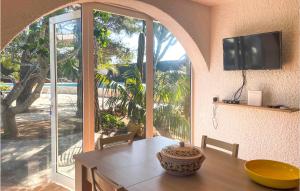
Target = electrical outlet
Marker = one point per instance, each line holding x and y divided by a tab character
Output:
215	99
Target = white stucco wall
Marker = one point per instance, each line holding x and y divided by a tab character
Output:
260	133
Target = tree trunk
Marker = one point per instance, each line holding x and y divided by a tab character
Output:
26	92
25	67
8	122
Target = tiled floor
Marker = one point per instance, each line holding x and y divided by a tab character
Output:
50	187
44	187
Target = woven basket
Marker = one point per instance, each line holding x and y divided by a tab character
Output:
180	160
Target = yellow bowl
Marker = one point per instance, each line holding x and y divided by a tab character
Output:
273	174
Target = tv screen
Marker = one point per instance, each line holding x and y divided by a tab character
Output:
253	52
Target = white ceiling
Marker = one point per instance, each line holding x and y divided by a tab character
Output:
213	2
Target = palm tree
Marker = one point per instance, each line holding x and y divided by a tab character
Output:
128	98
172	103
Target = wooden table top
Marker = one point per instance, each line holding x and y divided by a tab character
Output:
137	169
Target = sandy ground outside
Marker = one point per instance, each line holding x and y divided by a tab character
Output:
26	161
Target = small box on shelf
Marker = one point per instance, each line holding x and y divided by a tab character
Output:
255	97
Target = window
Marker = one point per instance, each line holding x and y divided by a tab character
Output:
172	86
119	74
120	78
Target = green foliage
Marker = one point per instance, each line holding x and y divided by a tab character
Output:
9	67
69	69
130	97
31	43
105	21
101	31
109	121
25	49
26	61
9	64
137	95
109	49
111	54
171	87
172	103
11	58
170	117
4	87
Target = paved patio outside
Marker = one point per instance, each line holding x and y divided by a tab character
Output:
26	160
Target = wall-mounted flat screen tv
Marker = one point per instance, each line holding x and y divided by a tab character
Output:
253	52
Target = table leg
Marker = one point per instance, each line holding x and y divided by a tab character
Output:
81	178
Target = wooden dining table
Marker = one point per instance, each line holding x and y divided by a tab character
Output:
136	168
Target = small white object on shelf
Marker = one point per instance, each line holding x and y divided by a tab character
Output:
255	97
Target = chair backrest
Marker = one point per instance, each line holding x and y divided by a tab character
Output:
116	139
234	148
102	183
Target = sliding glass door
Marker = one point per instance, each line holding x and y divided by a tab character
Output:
66	94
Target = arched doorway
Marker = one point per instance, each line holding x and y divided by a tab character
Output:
88	67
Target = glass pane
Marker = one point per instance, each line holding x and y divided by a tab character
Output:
172	86
68	94
119	75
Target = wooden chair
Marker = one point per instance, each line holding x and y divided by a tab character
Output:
234	148
102	183
115	139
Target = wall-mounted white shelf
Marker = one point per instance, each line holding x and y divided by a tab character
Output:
290	110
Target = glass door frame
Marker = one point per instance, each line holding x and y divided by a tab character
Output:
55	176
